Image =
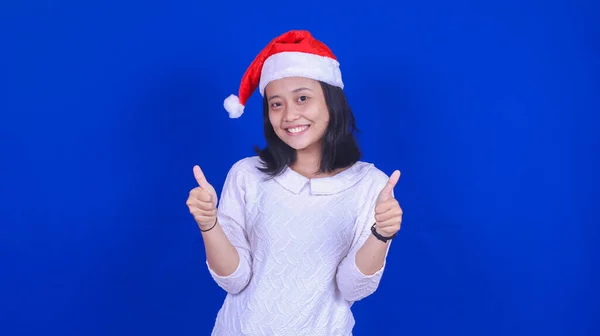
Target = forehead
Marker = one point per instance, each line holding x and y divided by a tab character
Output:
289	85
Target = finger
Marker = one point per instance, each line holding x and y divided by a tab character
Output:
194	203
386	206
389	187
389	230
200	178
203	212
396	213
201	195
391	223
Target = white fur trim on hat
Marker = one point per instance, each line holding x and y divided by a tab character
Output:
299	64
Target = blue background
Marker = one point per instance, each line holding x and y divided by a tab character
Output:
489	109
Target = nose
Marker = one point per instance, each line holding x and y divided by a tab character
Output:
291	114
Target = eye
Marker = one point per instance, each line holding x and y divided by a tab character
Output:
275	105
302	99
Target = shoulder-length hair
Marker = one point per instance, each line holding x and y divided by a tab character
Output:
339	146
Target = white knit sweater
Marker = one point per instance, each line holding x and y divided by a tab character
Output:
297	239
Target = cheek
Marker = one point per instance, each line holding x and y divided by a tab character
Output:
320	121
274	120
320	115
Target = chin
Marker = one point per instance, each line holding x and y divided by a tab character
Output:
297	145
300	148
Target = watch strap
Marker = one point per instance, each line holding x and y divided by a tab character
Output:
380	237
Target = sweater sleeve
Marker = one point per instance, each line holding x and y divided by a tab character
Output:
231	216
352	283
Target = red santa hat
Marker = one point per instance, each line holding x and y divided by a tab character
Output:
293	54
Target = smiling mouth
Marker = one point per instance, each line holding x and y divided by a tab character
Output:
297	130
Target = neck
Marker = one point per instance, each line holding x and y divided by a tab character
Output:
307	161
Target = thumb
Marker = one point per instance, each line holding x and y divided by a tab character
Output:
386	192
199	175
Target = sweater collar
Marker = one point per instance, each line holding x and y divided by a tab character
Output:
294	182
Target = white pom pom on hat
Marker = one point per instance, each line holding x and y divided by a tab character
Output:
233	106
292	54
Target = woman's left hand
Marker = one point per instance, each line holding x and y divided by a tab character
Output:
388	214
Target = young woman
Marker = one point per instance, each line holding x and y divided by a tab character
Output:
303	229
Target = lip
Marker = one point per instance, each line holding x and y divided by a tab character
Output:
296	134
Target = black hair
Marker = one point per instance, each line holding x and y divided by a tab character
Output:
339	146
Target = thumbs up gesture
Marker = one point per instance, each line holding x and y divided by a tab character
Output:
202	201
388	214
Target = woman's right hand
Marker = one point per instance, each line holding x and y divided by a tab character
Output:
202	201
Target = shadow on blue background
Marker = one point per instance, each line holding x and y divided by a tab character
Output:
489	110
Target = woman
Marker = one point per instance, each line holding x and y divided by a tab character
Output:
302	230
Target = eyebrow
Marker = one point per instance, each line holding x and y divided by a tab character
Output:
295	91
301	89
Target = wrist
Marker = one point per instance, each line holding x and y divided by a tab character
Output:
208	227
382	236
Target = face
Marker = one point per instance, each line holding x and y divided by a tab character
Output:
297	111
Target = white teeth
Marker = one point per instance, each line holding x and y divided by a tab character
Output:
297	129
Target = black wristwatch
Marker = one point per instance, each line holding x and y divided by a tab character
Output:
380	237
